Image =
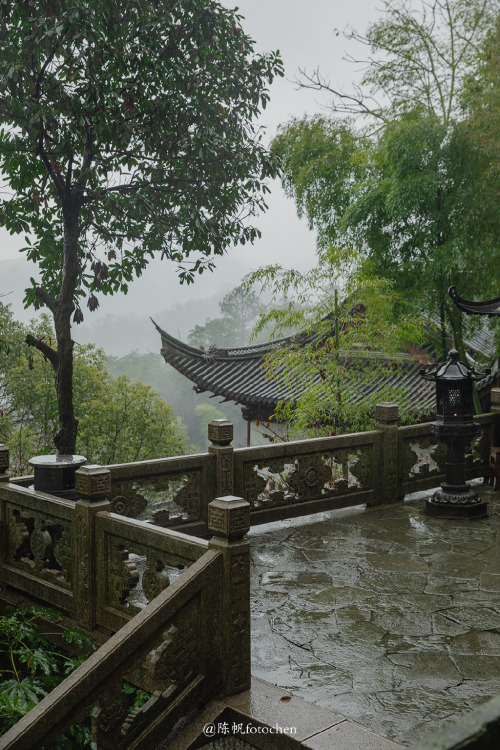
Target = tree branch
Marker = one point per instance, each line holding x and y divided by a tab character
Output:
48	61
44	348
44	297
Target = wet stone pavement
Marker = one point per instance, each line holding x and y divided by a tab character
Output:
387	616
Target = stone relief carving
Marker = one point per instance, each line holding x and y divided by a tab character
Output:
18	536
421	457
253	484
188	497
307	477
240	619
111	713
310	476
137	574
131	505
122	576
41	543
226	474
154	579
166	500
164	671
176	659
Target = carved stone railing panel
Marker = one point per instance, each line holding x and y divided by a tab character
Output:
164	500
37	544
137	575
421	457
172	649
270	484
136	562
40	544
168	492
172	662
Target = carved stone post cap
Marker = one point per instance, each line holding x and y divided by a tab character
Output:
93	482
4	458
386	412
220	431
495	398
229	517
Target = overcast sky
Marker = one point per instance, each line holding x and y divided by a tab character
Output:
304	32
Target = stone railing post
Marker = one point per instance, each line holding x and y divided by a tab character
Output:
495	400
4	463
495	409
229	521
387	415
220	434
92	484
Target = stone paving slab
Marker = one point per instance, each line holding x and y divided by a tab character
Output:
389	617
268	718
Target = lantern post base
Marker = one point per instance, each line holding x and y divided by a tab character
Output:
456	502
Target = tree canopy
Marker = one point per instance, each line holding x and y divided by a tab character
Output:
393	171
125	132
239	312
122	420
357	332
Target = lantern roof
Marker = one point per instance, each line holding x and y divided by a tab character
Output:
453	370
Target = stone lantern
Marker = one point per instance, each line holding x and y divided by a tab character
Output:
455	427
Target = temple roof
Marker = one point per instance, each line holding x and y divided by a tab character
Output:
237	374
490	307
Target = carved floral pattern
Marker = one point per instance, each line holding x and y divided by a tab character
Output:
306	477
309	477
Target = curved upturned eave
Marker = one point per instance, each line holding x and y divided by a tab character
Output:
238	375
234	373
489	307
256	351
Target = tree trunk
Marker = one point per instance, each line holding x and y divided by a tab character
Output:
444	348
65	437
